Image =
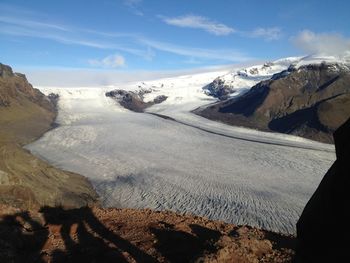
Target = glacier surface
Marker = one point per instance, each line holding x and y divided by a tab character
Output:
192	165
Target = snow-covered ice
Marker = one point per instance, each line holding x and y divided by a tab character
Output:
195	165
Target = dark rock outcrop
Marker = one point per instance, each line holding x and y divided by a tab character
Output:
15	89
322	230
134	100
218	89
159	99
54	99
311	101
222	88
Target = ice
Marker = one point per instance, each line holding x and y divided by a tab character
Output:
140	160
190	165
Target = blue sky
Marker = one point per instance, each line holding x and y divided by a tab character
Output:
131	35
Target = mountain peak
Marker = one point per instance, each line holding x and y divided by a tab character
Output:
5	71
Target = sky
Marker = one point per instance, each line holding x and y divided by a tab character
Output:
163	35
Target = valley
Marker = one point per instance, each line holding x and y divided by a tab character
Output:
205	168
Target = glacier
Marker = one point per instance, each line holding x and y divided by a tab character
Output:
189	164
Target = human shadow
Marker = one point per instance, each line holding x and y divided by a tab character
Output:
21	238
94	241
85	238
179	246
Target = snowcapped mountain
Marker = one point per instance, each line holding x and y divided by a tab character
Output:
193	91
237	82
188	92
308	99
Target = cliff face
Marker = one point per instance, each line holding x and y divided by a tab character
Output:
322	232
15	88
26	181
21	105
311	101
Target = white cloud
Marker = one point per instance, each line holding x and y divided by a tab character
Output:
271	33
134	6
27	25
219	29
68	35
213	54
199	22
322	43
31	23
113	61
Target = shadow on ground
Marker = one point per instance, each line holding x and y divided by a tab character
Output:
77	235
85	238
180	246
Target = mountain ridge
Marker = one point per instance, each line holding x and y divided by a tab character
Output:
26	181
300	101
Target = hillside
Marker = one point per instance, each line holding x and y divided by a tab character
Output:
26	181
309	101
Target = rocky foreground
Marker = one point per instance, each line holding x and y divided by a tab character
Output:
127	235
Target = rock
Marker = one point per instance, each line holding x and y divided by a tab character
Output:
311	101
134	100
322	231
54	98
218	89
26	181
160	99
128	99
5	71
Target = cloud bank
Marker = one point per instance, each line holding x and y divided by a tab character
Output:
219	29
332	44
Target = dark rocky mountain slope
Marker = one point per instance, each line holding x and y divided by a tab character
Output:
26	181
311	101
134	101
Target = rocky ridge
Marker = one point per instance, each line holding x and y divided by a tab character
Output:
241	80
134	100
26	181
311	101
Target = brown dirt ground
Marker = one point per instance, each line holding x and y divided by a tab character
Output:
128	235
